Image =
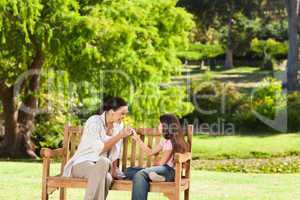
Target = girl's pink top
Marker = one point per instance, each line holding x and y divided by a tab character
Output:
166	146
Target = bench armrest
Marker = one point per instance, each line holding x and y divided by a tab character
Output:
182	157
49	153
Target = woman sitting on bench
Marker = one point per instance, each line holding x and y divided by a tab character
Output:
99	146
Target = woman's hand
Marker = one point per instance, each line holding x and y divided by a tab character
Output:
111	142
135	136
127	132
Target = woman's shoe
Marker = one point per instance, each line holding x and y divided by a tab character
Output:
156	178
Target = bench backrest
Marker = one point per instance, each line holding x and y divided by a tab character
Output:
132	155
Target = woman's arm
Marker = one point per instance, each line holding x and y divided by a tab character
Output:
111	142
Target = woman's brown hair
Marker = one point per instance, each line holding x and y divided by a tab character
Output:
172	130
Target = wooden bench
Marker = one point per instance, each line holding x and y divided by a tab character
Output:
131	156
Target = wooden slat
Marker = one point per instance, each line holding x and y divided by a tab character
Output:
46	170
133	153
187	165
74	142
125	153
157	141
49	153
148	131
190	136
117	184
141	155
178	178
65	147
150	144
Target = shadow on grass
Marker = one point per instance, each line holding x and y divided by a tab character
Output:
28	160
21	160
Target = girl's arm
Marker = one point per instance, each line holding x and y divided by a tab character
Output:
148	150
164	158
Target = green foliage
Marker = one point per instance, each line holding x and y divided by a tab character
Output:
293	110
243	29
119	47
268	49
226	102
214	100
198	51
276	29
30	26
268	98
134	51
149	104
249	19
57	104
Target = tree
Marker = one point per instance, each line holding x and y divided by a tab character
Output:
30	31
92	41
138	41
227	15
293	52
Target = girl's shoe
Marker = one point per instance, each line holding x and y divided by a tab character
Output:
156	178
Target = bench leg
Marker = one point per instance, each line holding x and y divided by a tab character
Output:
45	195
177	196
187	194
63	194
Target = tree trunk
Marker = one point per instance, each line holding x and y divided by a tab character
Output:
26	117
229	48
293	59
229	58
19	124
12	143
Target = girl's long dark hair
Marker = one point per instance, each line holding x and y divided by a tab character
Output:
172	130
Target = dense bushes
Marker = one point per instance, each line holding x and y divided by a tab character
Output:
199	51
269	47
268	50
214	101
293	110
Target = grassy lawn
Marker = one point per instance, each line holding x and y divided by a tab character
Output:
22	181
243	77
210	147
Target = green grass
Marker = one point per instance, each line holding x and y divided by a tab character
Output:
243	77
22	181
211	147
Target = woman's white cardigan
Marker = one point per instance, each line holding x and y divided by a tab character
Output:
92	142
